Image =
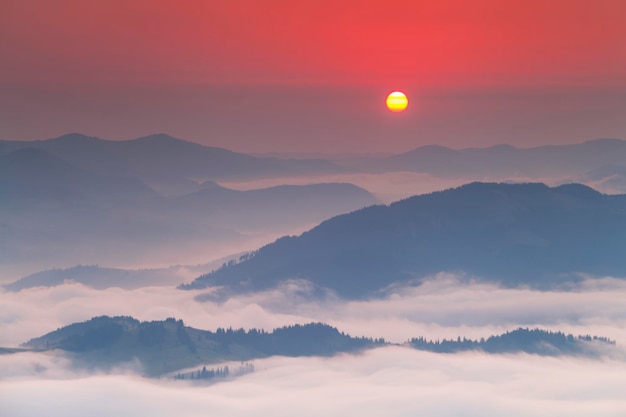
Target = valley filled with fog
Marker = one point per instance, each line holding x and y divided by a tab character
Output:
377	250
392	379
312	208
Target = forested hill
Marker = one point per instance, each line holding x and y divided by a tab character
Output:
535	341
163	347
169	345
515	234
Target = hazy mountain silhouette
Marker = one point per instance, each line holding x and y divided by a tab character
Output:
506	160
165	162
54	212
48	206
610	177
285	205
162	158
37	175
97	277
515	234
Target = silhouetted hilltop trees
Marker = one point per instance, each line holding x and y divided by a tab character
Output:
216	373
167	346
535	341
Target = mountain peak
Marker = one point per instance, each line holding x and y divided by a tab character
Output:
159	137
579	190
605	141
75	137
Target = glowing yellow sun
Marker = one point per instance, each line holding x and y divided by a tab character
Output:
397	101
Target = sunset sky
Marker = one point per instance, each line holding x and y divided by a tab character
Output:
312	76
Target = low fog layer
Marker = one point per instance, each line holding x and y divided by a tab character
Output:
393	186
444	306
134	255
388	186
395	381
391	381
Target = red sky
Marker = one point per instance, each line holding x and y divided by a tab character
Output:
288	75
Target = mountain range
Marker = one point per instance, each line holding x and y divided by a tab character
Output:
158	157
48	205
513	234
502	161
98	277
174	165
78	199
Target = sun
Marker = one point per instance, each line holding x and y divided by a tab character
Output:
397	101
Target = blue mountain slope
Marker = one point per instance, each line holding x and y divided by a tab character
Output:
34	174
527	234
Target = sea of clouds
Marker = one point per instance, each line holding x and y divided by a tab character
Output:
394	381
444	306
391	381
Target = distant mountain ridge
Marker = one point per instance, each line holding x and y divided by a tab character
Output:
47	204
124	196
97	277
515	234
160	157
167	346
507	160
153	157
33	174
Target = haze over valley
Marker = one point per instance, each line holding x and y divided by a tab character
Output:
312	208
481	269
126	201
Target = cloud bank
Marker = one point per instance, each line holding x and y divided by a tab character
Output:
392	381
445	306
